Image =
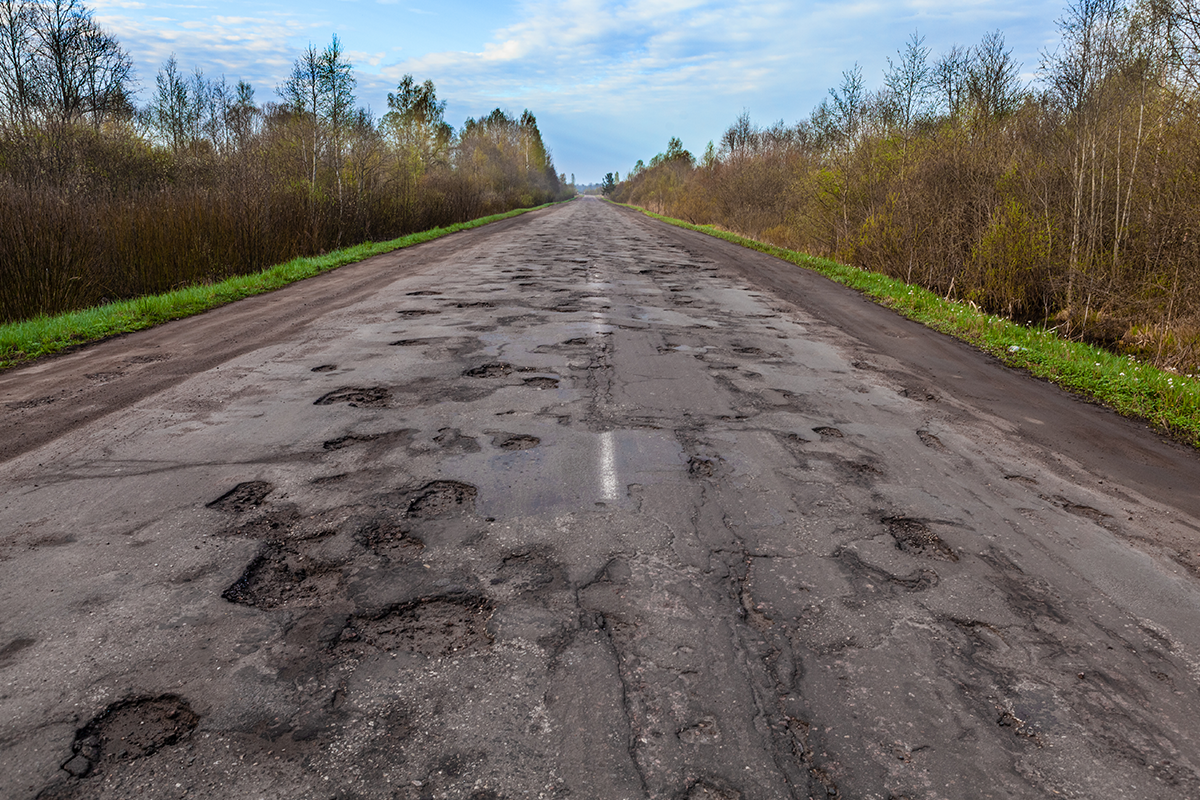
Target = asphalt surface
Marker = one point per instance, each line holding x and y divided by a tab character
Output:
579	505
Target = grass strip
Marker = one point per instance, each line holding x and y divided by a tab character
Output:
1167	401
22	342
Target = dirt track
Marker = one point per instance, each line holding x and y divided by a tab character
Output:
581	505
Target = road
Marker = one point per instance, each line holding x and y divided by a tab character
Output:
580	505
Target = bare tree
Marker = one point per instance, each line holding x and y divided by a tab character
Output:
909	81
993	78
949	79
81	70
18	67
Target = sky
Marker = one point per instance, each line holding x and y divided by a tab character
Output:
610	81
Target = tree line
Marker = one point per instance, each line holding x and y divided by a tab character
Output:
1073	201
104	199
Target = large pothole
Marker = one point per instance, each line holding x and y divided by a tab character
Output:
282	576
243	497
914	536
431	626
438	498
130	729
357	396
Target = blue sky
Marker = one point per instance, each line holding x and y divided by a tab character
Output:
609	82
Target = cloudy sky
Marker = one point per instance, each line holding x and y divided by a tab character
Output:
609	80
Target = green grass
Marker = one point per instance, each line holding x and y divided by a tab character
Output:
1167	401
22	342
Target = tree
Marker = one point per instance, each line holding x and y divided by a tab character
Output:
171	114
81	71
909	81
18	65
416	121
320	91
993	78
608	185
949	79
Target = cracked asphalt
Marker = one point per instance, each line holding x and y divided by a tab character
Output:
578	505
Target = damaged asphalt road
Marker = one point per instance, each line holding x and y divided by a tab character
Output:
571	506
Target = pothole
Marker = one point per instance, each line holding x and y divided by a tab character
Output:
529	571
409	342
516	441
358	397
130	729
433	626
389	539
438	498
274	524
422	293
476	304
930	440
827	432
701	467
579	340
417	312
243	497
324	368
452	440
281	576
1087	512
914	536
495	369
349	440
542	383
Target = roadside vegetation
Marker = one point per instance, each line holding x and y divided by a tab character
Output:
103	200
1069	205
